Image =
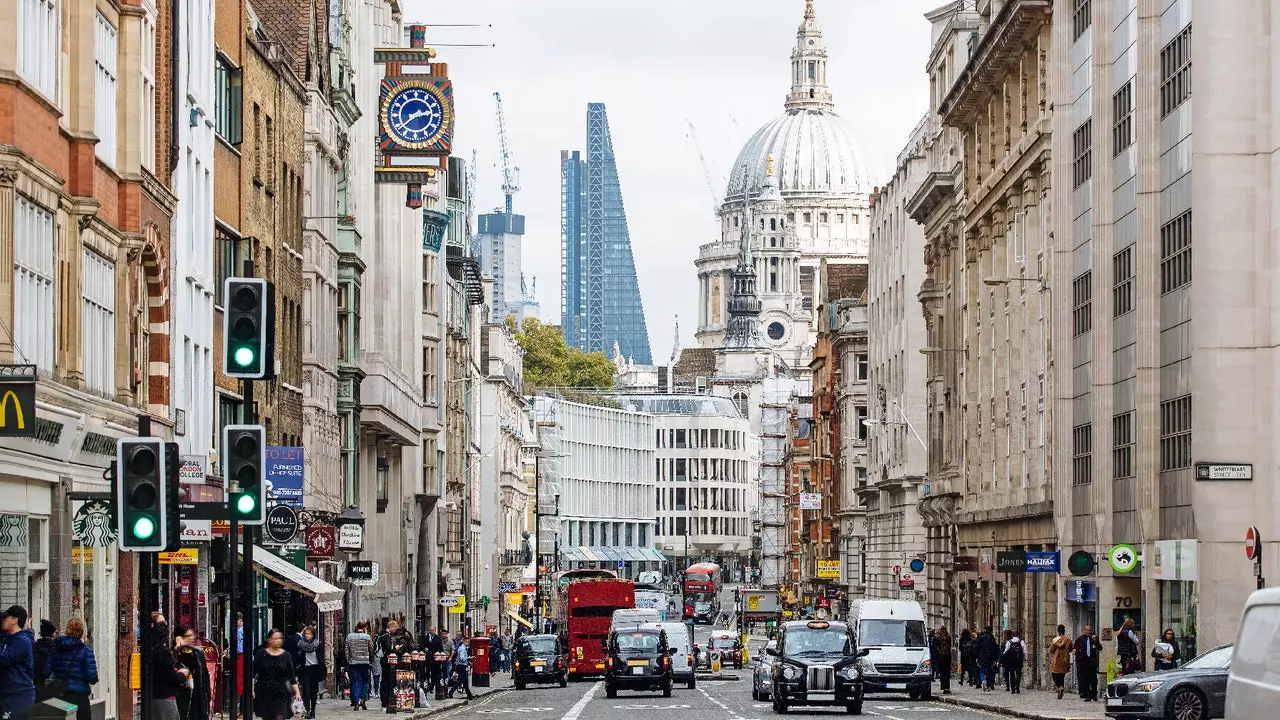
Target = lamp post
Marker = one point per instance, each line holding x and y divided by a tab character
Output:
1000	280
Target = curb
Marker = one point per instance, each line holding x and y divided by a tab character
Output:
1010	712
446	708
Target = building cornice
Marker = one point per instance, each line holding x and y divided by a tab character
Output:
1006	40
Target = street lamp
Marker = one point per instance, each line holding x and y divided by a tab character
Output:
1006	280
904	421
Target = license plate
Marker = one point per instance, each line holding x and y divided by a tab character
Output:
1114	701
539	668
637	670
638	663
538	663
896	686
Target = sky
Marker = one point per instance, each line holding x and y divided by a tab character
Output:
723	65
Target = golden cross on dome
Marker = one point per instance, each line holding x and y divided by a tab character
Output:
808	8
770	170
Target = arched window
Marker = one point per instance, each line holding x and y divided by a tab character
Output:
773	223
740	400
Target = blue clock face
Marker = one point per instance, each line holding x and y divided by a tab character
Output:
414	116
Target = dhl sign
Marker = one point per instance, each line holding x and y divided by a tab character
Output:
17	400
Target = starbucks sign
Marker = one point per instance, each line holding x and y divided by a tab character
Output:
94	524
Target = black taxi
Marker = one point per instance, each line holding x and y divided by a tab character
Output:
637	659
816	663
537	660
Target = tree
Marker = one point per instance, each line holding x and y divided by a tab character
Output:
550	362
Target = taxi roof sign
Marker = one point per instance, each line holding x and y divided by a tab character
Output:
819	624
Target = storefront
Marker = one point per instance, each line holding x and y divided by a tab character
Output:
1175	568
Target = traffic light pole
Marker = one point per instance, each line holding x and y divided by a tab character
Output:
250	418
146	603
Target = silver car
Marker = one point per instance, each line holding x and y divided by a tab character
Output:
762	675
1195	691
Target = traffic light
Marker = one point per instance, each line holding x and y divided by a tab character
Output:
174	495
248	328
142	513
244	450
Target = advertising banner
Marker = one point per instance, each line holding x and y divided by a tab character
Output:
829	569
284	475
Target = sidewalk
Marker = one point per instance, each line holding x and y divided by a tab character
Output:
1031	704
341	709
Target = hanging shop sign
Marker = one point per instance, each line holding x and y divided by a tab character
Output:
17	400
363	573
1175	560
351	537
282	524
829	569
321	541
1011	561
1123	558
1042	562
415	118
1081	563
94	524
810	501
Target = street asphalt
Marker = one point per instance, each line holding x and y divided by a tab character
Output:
711	700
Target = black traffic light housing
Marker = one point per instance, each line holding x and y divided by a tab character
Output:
141	494
175	494
244	451
248	328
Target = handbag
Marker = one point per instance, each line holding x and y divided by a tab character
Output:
299	709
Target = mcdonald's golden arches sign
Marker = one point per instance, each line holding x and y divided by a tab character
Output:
17	400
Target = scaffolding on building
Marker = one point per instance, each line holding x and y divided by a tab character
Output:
548	486
775	415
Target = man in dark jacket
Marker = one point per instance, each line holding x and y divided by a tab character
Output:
43	648
17	673
988	651
1088	654
431	645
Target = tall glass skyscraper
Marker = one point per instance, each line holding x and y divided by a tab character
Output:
599	292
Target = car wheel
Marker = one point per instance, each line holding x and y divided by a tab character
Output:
855	707
927	694
779	704
914	695
1187	704
693	681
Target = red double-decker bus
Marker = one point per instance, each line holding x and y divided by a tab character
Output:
583	608
702	592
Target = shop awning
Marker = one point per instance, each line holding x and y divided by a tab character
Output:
636	555
572	554
588	555
654	555
516	616
275	568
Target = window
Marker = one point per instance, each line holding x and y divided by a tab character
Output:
1082	152
148	125
348	322
227	260
808	217
227	104
680	504
1175	434
98	322
1122	445
1175	72
740	400
861	359
1122	112
1082	454
860	418
822	218
429	374
104	60
35	313
1082	304
40	45
429	281
382	484
1175	253
1081	19
1122	292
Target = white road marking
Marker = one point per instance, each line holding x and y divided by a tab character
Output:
732	714
506	711
869	712
581	705
650	707
911	708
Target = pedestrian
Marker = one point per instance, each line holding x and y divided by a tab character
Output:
1017	637
1088	653
311	669
1011	659
1127	645
431	646
379	662
193	697
461	668
942	650
17	669
358	651
1165	651
275	680
933	653
70	669
40	655
443	674
168	678
1060	659
988	656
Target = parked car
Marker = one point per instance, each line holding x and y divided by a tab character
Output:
637	659
762	674
816	663
537	659
1195	691
1253	680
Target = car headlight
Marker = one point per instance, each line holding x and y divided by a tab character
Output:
926	666
791	672
1146	687
850	672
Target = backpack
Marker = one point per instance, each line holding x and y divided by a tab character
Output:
1013	656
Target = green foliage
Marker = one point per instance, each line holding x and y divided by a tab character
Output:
550	363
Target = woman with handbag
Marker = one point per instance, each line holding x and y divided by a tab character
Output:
1165	651
276	695
71	669
193	697
311	669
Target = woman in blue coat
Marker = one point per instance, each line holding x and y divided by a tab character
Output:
73	663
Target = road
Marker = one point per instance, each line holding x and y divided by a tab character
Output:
711	700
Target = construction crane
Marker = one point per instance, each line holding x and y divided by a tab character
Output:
706	169
472	169
510	172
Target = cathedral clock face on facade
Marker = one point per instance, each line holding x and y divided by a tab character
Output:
416	115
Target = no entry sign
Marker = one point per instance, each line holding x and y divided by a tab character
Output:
1253	544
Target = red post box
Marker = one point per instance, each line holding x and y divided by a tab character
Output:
480	661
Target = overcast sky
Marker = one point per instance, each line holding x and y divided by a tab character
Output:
723	64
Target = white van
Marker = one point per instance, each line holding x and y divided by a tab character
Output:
680	641
894	633
1253	681
632	618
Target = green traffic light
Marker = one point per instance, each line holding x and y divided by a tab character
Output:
243	356
144	527
245	504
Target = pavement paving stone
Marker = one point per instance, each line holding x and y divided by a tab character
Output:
1030	704
340	709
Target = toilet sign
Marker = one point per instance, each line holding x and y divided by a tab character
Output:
1253	544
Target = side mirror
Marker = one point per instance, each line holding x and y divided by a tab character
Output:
863	652
772	651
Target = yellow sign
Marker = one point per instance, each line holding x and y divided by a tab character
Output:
459	608
829	569
17	389
515	598
135	671
520	620
753	602
184	556
81	555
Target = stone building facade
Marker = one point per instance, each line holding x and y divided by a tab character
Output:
84	224
1001	102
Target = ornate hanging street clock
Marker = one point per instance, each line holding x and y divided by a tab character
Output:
416	115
